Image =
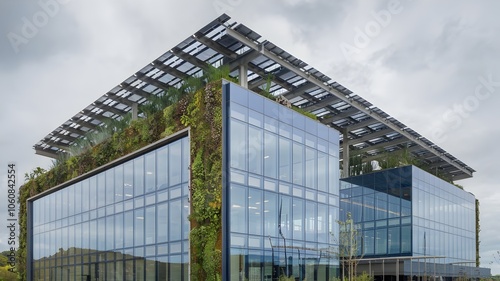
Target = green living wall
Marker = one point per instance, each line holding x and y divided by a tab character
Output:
200	109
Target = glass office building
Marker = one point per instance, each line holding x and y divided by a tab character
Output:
281	194
406	212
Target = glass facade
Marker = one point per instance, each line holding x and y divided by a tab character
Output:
381	207
407	211
444	219
283	191
128	222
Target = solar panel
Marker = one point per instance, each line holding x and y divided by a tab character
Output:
225	41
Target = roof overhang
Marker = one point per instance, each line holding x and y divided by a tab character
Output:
369	130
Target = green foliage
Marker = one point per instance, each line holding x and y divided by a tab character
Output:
303	112
389	160
3	259
363	277
285	278
204	116
266	89
212	74
398	158
102	133
6	275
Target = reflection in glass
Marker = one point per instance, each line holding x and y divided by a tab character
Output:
139	176
270	155
150	172
150	225
285	159
162	217
175	224
255	150
175	158
238	209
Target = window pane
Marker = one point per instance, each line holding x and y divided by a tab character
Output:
406	239
323	172
119	183
381	241
175	152
238	209
298	219
150	172
255	150
139	176
162	217
150	225
119	231
310	222
393	240
162	168
128	180
129	229
311	168
110	233
298	164
270	155
101	188
255	211
175	222
322	224
270	214
101	234
368	241
93	193
238	145
139	227
110	186
93	235
285	159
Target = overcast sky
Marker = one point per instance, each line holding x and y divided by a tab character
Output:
434	66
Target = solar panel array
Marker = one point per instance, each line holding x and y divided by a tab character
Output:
370	130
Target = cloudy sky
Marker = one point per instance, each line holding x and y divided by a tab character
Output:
434	66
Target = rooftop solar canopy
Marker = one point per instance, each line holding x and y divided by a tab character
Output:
369	130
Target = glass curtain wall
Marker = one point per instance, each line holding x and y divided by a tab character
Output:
444	220
380	204
407	211
283	192
129	222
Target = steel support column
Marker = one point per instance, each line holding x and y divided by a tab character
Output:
345	154
135	111
243	75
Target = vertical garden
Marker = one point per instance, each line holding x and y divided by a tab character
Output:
197	105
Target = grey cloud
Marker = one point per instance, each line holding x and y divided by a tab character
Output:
31	31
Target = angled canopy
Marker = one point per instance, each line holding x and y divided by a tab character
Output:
369	130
